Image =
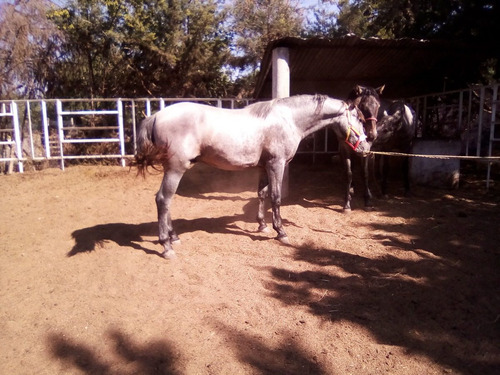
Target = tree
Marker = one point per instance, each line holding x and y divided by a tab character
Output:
324	19
141	48
255	24
28	45
472	21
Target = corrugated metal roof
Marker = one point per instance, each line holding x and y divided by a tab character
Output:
407	67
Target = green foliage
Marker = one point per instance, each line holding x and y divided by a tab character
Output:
474	21
203	48
141	48
256	23
28	45
426	19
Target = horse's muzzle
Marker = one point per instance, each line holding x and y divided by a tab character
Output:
363	148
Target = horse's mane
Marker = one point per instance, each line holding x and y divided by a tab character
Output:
263	109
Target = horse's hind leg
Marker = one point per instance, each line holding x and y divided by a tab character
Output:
262	194
164	197
275	175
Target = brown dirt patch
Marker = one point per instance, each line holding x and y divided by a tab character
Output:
411	287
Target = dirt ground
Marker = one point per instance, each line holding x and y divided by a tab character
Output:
409	288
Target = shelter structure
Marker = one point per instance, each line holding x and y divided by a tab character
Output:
407	67
425	71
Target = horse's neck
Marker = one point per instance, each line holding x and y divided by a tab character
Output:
309	119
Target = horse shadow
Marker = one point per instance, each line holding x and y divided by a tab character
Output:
135	235
123	234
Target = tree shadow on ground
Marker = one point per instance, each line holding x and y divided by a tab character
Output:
289	358
158	357
441	301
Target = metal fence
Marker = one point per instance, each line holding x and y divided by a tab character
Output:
69	129
470	115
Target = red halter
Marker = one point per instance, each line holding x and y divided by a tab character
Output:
361	137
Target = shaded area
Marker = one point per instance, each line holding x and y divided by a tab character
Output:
441	302
289	358
157	357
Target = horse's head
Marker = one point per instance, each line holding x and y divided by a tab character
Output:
355	136
368	101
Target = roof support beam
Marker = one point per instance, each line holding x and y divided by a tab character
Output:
281	89
281	73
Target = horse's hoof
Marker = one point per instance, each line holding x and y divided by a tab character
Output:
284	240
263	229
346	210
369	208
175	241
170	254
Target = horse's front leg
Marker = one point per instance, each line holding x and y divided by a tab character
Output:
348	191
275	175
366	175
167	235
262	194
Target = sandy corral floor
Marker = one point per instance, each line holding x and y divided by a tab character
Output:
409	288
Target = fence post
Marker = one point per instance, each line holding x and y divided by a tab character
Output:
494	103
46	138
134	126
30	129
60	130
480	121
121	131
17	136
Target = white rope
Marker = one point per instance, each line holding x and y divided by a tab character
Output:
479	158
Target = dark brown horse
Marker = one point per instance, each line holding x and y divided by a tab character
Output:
367	100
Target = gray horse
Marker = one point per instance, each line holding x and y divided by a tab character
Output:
396	128
264	135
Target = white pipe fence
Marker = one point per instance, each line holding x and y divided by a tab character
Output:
11	136
470	115
68	129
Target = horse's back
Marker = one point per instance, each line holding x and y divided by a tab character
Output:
224	138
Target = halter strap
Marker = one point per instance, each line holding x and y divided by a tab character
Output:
371	118
350	128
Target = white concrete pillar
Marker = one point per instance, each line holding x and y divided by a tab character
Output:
281	73
281	89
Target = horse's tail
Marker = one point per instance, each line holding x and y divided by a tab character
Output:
148	153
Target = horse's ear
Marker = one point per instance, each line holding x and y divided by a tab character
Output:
358	90
380	89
